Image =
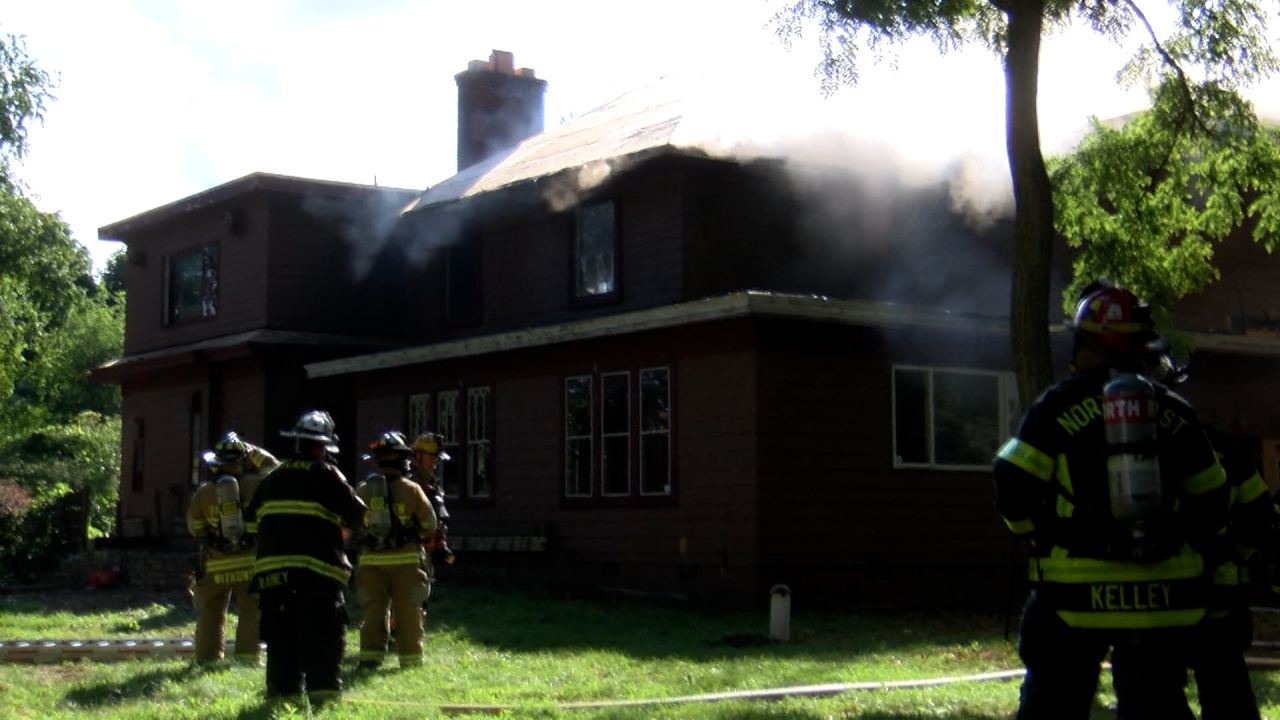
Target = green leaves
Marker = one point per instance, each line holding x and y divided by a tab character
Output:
1144	200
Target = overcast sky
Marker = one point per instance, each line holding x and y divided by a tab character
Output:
160	99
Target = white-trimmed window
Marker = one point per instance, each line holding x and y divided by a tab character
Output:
419	415
655	431
950	418
479	459
447	427
615	433
577	436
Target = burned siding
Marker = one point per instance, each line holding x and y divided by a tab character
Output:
526	256
241	275
316	280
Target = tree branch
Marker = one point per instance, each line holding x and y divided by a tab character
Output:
1172	63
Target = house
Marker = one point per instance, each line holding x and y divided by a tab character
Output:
660	364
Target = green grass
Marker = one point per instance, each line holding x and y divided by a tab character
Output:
534	651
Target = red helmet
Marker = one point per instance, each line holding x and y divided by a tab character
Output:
1115	319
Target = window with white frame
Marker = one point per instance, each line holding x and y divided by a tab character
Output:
655	431
479	457
419	415
615	433
447	427
950	418
577	436
634	437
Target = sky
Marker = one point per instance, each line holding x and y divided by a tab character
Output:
161	99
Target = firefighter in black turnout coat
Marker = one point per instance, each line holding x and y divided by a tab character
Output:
1112	479
304	508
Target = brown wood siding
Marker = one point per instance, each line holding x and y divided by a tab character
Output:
163	402
1245	298
318	281
838	521
241	276
701	541
240	396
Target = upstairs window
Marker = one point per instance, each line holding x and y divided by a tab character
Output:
950	419
595	252
191	285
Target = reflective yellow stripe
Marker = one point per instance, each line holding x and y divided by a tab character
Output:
1064	475
251	527
228	564
1064	507
1211	478
1057	568
1155	619
197	524
231	578
297	507
306	562
1027	457
1251	489
395	557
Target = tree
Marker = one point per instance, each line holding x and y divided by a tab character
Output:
1143	200
113	273
1216	48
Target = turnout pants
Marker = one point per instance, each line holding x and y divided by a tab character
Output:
210	599
1063	664
1222	677
386	589
305	631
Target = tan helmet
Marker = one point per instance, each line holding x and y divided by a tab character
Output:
430	443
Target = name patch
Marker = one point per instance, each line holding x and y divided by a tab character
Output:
1130	596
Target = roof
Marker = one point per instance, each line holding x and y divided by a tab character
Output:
122	229
112	370
735	305
653	119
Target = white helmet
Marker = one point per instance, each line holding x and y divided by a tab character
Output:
315	425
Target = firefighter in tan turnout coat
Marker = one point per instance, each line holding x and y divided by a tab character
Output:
216	516
390	576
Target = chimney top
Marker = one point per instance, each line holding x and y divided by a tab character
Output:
501	61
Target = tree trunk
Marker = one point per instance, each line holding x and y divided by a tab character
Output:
1033	202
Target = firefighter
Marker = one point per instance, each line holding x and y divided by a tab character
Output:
390	575
427	454
304	509
216	517
1216	653
1112	479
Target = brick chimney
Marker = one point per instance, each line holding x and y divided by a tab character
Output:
498	106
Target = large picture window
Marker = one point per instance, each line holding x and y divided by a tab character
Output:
191	285
949	418
634	437
595	252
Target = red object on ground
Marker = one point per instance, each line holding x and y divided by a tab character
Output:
102	579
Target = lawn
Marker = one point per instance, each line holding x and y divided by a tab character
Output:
535	653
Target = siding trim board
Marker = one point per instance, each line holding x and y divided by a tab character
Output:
736	305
